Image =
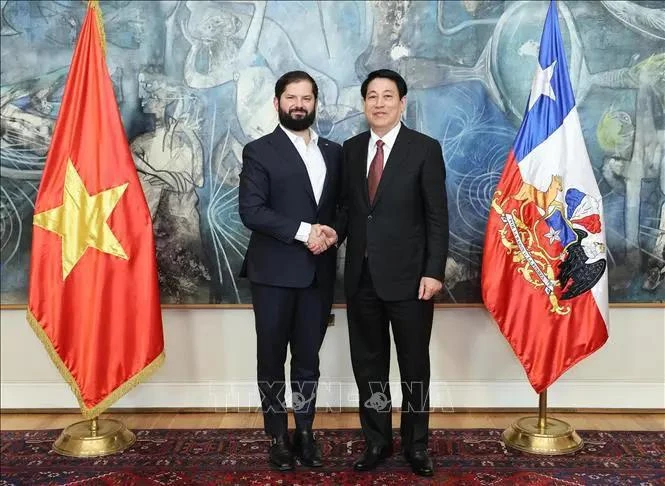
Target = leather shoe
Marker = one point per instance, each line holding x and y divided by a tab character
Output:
280	456
371	457
421	464
306	449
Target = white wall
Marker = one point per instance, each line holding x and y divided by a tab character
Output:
211	360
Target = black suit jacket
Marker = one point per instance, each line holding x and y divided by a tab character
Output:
405	232
275	195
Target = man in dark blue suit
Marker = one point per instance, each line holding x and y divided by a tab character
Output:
288	189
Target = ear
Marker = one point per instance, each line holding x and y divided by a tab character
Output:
275	102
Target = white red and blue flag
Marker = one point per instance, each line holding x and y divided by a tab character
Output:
544	274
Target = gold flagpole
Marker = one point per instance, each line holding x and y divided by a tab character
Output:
542	411
542	434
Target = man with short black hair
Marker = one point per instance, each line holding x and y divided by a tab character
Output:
395	220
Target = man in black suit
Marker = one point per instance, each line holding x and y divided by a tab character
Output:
288	188
394	216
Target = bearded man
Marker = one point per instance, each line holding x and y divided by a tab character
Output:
289	187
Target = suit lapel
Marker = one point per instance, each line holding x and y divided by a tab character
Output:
323	147
287	150
398	155
362	166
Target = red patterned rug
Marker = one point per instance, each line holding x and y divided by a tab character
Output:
223	456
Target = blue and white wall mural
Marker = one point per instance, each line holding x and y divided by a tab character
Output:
194	81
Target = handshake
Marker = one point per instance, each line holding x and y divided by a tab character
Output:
321	237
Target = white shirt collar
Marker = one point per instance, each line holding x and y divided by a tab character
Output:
314	137
389	138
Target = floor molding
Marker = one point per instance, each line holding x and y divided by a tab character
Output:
396	410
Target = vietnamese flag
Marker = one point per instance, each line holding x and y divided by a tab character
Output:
93	296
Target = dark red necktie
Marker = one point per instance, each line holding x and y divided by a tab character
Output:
375	171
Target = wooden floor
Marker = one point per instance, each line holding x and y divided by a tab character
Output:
328	420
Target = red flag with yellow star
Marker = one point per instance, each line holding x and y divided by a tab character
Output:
94	296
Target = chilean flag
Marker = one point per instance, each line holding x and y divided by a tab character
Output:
544	273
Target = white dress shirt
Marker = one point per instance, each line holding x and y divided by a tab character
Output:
316	170
389	142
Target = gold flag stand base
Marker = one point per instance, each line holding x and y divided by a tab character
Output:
556	438
93	438
542	435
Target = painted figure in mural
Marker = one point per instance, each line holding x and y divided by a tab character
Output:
26	124
288	188
28	110
169	160
634	161
217	53
647	165
28	128
394	216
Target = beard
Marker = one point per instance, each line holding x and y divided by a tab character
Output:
296	124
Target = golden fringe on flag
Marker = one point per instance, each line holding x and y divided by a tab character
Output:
94	4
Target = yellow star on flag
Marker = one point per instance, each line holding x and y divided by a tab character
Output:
81	220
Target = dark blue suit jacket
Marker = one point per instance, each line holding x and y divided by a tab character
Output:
275	195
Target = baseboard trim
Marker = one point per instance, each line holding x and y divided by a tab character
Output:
352	410
447	396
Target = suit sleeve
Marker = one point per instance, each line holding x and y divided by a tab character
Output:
253	197
342	214
433	184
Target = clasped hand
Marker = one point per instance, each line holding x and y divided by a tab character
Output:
321	237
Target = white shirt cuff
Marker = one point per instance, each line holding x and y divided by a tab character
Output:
303	232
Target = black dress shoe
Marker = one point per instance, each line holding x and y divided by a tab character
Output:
306	449
280	456
421	464
371	457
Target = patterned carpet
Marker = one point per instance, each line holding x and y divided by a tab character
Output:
223	456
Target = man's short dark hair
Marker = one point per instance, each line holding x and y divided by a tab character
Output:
388	74
294	77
